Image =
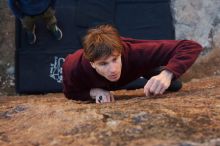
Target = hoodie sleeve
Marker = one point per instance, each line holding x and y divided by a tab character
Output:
73	86
72	92
174	55
184	55
15	9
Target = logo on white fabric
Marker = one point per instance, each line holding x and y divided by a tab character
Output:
56	69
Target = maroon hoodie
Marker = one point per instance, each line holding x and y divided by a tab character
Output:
138	58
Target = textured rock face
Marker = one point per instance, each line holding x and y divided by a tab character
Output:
198	20
7	49
190	117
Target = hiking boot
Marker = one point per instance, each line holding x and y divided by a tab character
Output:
56	32
31	36
175	85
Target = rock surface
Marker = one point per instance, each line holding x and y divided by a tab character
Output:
190	117
7	49
198	20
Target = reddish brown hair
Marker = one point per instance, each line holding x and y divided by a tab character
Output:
101	41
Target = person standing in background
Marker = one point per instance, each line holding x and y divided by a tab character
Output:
28	11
